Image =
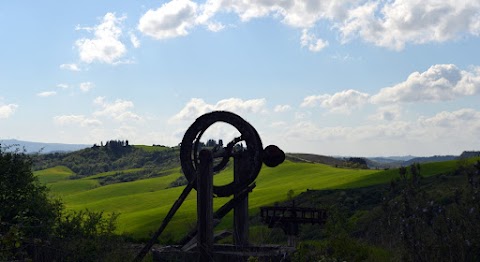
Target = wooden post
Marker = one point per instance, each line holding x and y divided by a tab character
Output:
205	206
240	211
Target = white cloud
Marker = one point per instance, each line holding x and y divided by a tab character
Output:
80	120
475	25
460	126
438	83
399	22
71	67
105	46
296	13
215	27
282	108
110	119
457	119
426	135
342	102
176	18
7	110
172	19
391	24
86	86
387	113
134	40
197	107
118	110
46	93
310	40
63	86
302	115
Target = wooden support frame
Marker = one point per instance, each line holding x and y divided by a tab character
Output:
240	211
205	206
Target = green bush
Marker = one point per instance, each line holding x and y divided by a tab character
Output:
27	214
34	227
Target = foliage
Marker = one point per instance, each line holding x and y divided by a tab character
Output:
180	181
337	243
114	155
356	162
88	236
426	228
34	227
420	216
27	215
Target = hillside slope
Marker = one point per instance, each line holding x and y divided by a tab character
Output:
149	161
144	203
358	201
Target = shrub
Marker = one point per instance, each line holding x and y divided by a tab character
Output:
34	227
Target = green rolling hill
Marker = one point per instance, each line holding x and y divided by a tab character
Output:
144	203
366	212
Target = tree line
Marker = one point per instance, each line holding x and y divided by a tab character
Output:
111	156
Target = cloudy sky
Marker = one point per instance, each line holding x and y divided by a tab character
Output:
332	77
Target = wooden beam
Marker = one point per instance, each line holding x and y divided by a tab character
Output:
205	206
240	211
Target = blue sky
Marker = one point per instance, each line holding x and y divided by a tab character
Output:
355	77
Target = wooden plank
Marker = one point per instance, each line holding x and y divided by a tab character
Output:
240	211
220	213
205	206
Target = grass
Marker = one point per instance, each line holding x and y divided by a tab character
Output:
121	190
58	180
71	187
54	174
427	169
144	203
111	173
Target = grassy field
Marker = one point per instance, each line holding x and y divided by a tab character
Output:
144	203
111	173
54	174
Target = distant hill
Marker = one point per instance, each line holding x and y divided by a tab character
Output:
130	162
380	162
394	162
469	154
377	162
327	160
429	159
143	203
390	159
344	162
399	158
38	147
